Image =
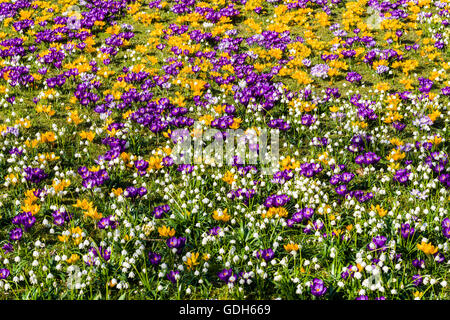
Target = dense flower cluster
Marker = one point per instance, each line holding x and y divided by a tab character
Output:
95	95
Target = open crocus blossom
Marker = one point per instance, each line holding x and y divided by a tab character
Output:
318	287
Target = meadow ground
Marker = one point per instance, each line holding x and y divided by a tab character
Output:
94	207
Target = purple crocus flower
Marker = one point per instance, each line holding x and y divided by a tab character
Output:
445	91
307	213
407	231
417	279
159	211
334	180
445	179
177	243
348	272
154	258
378	243
225	274
320	71
58	220
16	234
141	165
105	253
439	257
266	254
402	176
446	232
4	273
186	168
173	276
341	190
347	177
353	77
28	221
318	287
167	161
103	223
214	231
7	248
425	85
34	175
399	126
419	264
308	120
446	227
276	200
